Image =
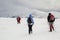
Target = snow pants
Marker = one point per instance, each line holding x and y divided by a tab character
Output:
30	28
51	26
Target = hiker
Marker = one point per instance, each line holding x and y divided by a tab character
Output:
51	20
18	19
30	23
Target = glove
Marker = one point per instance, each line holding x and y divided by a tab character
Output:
31	23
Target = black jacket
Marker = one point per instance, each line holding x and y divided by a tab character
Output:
48	18
29	20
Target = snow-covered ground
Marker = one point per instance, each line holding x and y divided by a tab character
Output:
10	30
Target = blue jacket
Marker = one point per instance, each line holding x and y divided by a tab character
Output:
31	18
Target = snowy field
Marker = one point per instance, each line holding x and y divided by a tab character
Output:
10	30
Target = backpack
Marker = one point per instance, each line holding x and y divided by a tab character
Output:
18	18
29	20
52	17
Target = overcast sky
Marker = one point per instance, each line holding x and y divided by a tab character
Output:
20	7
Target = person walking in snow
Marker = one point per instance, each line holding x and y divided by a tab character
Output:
18	19
51	20
30	23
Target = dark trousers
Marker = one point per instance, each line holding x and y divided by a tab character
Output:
30	28
18	21
51	26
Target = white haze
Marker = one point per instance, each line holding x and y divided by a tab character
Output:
39	8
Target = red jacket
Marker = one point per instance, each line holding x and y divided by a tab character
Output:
18	18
